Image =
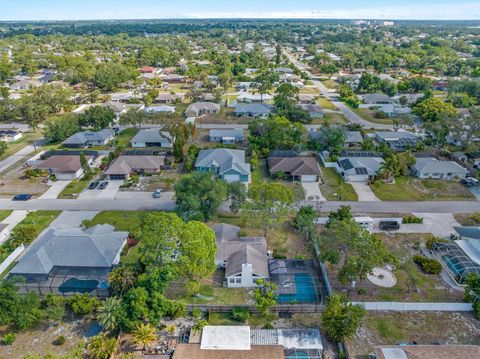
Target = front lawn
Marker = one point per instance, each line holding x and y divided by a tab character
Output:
369	115
4	214
121	220
326	104
40	219
14	147
334	188
331	84
73	189
414	189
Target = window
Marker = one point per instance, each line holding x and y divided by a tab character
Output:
238	280
232	280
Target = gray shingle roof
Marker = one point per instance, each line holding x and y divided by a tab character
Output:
468	232
360	165
247	254
152	135
235	133
295	166
96	247
398	135
125	165
253	108
225	159
432	165
83	138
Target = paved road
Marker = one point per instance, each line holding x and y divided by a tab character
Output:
169	205
347	112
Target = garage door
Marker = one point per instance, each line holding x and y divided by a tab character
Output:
309	178
231	178
117	177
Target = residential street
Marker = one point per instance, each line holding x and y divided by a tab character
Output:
18	156
347	112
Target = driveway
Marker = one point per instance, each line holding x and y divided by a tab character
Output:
55	189
111	191
364	192
475	190
70	219
312	191
12	220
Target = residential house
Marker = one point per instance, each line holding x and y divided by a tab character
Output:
358	166
306	99
433	168
160	109
354	139
314	111
254	98
245	259
122	97
304	169
398	140
65	168
252	109
25	85
202	108
376	99
123	166
173	78
72	260
118	107
10	135
390	110
228	164
152	137
227	137
284	70
166	98
89	139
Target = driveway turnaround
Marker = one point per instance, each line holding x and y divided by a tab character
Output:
312	191
364	192
55	189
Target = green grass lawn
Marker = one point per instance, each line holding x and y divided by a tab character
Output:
335	188
73	189
4	214
16	146
369	115
208	294
413	189
121	220
330	84
325	103
124	137
40	219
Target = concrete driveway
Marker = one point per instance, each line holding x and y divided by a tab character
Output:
71	219
111	191
475	190
55	189
364	192
312	191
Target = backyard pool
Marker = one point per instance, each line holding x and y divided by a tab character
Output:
305	290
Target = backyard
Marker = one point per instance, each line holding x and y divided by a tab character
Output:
412	284
369	115
334	188
381	328
413	189
121	220
124	137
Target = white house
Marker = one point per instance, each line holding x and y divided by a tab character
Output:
432	168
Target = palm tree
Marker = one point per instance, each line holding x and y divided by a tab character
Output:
109	312
99	347
122	279
144	335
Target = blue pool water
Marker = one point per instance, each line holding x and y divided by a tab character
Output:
305	290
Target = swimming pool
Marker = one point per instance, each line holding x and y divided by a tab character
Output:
305	290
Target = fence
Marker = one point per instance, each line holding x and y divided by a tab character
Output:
416	307
9	260
279	308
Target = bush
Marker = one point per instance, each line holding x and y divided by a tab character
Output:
60	340
428	265
475	217
82	304
8	339
362	291
412	219
196	313
240	314
431	240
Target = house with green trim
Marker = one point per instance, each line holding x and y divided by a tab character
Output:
228	164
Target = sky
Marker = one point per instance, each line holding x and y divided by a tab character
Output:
161	9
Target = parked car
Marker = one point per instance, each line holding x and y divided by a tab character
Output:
22	197
157	193
93	185
103	185
469	181
389	225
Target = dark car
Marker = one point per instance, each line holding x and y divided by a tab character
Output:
93	185
389	225
103	185
22	197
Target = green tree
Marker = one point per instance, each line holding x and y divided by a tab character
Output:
109	312
304	221
82	304
199	195
101	347
122	279
109	75
237	194
60	128
85	166
98	117
432	108
340	319
265	296
54	307
331	139
286	97
144	335
270	204
3	147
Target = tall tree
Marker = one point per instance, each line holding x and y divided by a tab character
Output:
144	335
109	312
340	319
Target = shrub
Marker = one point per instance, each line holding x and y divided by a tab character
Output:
60	340
432	239
82	304
196	313
362	291
240	314
412	219
428	265
8	339
475	217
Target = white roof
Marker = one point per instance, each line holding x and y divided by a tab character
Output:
394	353
223	337
471	247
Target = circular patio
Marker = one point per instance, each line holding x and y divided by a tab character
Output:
382	277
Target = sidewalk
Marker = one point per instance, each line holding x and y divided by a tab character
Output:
15	218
